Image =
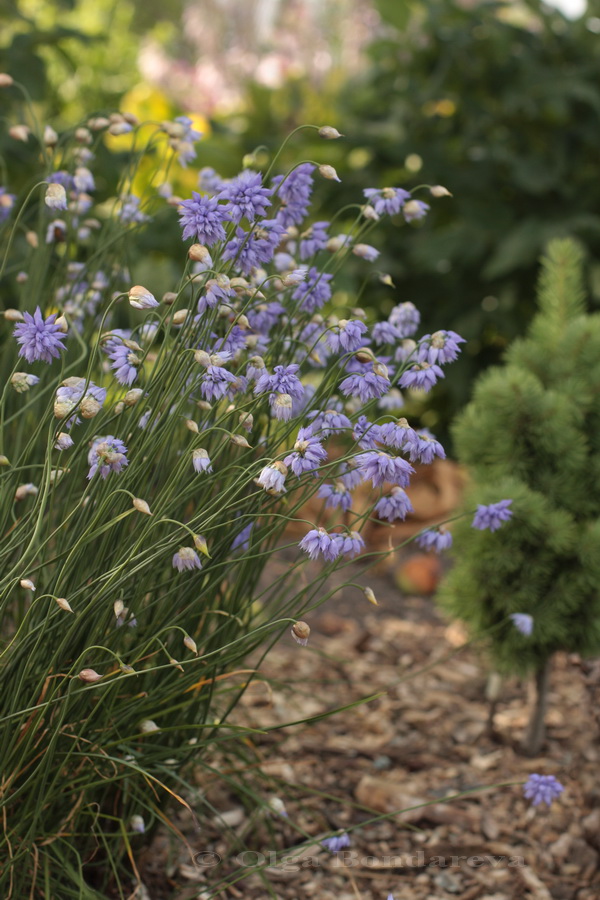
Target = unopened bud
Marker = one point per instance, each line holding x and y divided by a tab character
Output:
438	190
89	407
137	824
239	440
301	633
25	490
199	253
191	426
89	676
62	323
132	396
190	644
4	460
83	136
329	173
64	604
141	506
56	197
369	213
19	133
201	545
6	80
32	239
180	316
364	355
386	279
118	607
246	420
28	584
176	664
381	369
329	133
202	357
98	123
370	596
21	277
148	726
204	405
140	298
119	408
169	298
13	315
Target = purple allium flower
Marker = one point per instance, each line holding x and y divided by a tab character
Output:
434	539
314	292
61	177
397	434
351	544
347	334
406	318
130	210
440	347
542	789
423	447
265	316
201	461
125	363
366	434
186	558
414	210
217	291
421	375
381	467
272	479
351	478
215	382
294	190
405	350
64	441
246	196
186	136
331	421
492	516
385	333
71	392
253	249
209	182
336	496
40	338
336	843
367	386
319	541
523	622
283	380
107	454
308	453
313	240
395	505
386	201
83	180
242	540
7	201
202	219
313	336
234	340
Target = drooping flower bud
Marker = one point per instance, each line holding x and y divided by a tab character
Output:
132	396
62	323
14	315
89	676
137	824
169	298
64	604
364	355
6	80
370	596
19	133
246	420
329	173
141	506
25	490
301	633
180	316
4	460
148	726
438	190
201	545
27	583
199	253
329	133
140	298
89	407
239	440
190	643
192	426
56	197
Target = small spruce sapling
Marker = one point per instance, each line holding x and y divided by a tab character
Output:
532	433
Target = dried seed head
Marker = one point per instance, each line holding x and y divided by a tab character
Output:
141	506
370	596
329	173
89	676
27	583
329	133
301	633
190	644
438	190
64	604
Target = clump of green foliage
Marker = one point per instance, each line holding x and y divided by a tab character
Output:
532	433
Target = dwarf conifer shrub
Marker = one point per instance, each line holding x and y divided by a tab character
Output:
532	433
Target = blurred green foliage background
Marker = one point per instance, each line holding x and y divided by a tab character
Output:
499	102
